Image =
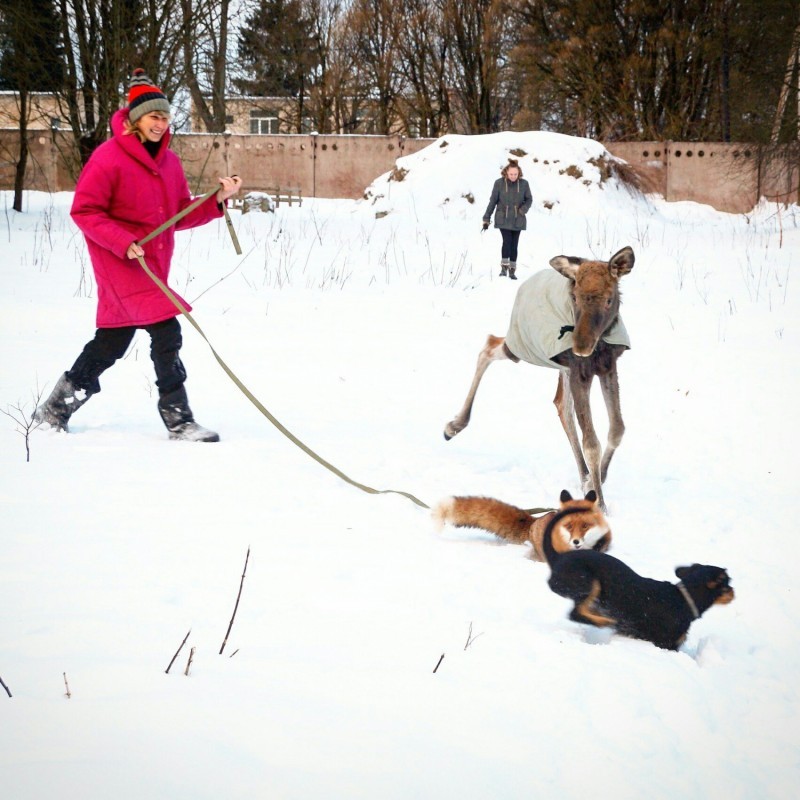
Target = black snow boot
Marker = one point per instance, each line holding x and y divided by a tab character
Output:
512	270
178	417
64	401
503	267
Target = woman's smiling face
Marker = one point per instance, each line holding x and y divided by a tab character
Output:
153	125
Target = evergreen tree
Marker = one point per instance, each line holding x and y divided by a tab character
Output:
29	62
656	69
30	49
761	39
276	50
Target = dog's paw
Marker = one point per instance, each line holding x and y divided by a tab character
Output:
597	635
705	653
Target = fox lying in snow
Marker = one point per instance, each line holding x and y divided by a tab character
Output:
584	528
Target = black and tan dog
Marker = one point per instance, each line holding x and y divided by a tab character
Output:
607	592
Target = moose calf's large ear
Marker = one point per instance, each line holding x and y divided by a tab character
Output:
621	263
566	265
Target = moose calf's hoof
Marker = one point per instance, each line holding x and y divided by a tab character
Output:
450	431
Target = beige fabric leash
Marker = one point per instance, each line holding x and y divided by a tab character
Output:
231	374
188	210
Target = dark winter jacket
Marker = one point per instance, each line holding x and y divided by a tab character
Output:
123	194
512	201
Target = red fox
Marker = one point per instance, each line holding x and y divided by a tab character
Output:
584	528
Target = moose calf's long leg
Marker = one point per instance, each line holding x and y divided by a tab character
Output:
609	383
591	444
493	350
566	413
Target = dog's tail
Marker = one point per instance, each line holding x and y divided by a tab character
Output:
502	519
550	552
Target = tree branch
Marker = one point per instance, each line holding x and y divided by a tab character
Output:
169	666
238	596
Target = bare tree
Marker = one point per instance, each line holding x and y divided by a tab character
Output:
423	57
25	422
205	26
374	25
331	76
104	43
481	43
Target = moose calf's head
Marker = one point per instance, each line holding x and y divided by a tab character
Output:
595	295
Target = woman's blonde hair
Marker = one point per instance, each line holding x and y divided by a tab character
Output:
512	162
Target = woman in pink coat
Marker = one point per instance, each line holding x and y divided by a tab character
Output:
131	185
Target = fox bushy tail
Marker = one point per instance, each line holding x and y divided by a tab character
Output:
502	519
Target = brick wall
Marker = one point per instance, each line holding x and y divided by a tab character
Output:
729	177
322	166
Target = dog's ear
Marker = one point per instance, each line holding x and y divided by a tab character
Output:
682	572
565	496
685	572
591	496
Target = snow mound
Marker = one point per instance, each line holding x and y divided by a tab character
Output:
564	172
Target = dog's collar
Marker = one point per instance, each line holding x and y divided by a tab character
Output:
688	598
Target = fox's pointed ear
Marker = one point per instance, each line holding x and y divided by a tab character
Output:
565	496
591	496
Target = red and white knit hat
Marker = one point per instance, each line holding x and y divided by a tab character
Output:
144	97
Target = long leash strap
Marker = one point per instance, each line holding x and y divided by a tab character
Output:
198	201
232	231
232	375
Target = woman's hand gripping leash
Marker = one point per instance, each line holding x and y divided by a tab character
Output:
229	187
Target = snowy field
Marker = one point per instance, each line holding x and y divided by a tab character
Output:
357	324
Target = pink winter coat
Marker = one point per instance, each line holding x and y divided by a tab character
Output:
122	195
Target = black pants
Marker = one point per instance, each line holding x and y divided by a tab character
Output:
110	344
510	243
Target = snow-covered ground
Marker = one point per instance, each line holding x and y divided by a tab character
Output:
357	324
